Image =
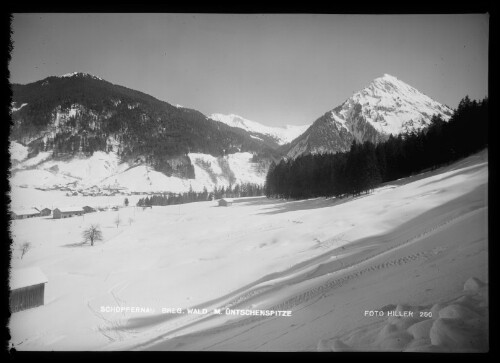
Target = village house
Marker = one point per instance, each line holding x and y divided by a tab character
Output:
225	202
44	212
88	209
27	288
25	213
59	213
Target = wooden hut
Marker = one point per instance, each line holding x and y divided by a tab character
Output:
27	288
44	212
225	202
88	209
59	213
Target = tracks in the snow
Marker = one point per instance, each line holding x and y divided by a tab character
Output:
335	277
336	282
351	272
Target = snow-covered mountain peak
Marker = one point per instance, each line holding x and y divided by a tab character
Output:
80	74
282	135
389	86
391	106
388	77
386	106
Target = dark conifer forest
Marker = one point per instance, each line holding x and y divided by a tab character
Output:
232	191
365	166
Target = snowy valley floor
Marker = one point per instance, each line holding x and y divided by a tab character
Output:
416	246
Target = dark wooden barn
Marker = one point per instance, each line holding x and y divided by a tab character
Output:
66	212
27	288
45	212
88	209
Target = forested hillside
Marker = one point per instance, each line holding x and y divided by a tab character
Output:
81	114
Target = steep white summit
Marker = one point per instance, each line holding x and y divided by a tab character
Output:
391	107
282	135
80	74
386	106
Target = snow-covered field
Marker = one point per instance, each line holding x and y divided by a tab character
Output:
418	245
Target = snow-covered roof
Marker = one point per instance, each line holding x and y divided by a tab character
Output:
70	209
227	200
26	277
23	212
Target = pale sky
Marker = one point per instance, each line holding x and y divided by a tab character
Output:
275	69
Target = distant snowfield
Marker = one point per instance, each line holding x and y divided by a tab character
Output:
282	135
412	245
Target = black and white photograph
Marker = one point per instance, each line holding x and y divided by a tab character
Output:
249	182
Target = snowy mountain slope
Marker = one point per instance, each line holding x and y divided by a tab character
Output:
387	106
237	168
82	130
323	136
391	107
78	113
282	135
38	178
105	170
210	172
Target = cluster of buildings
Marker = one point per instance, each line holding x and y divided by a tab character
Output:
95	191
68	212
73	189
57	213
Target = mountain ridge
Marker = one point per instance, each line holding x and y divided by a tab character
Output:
81	113
386	106
72	116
